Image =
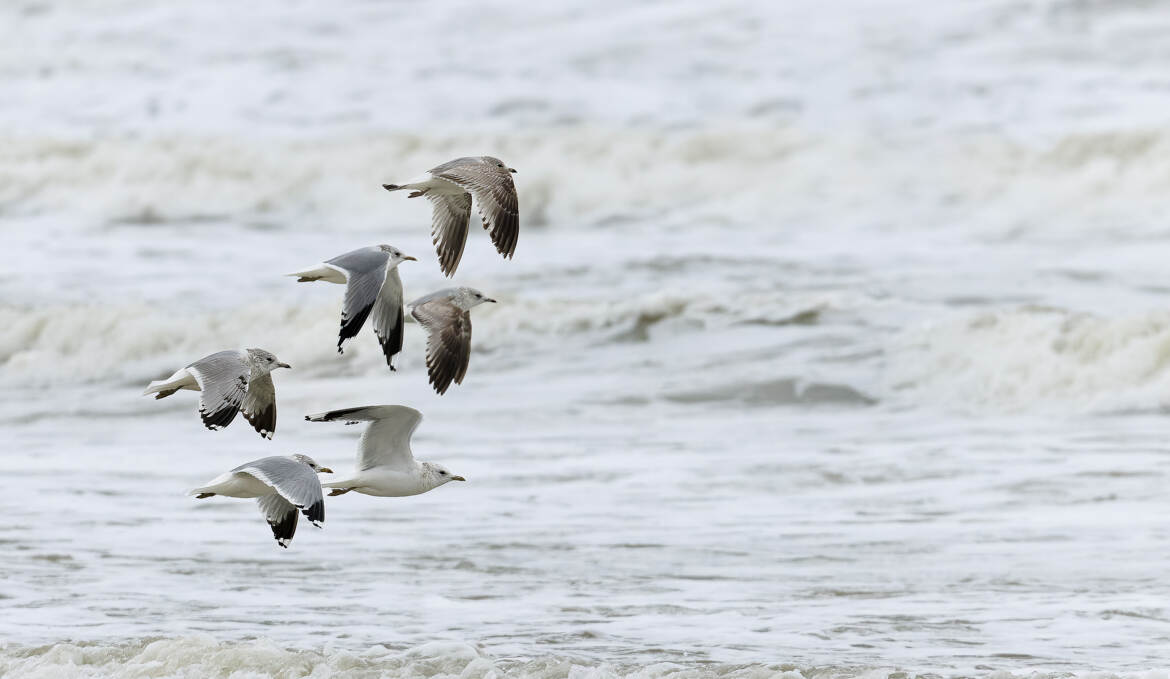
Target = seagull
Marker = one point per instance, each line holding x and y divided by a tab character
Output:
230	381
446	315
371	284
450	188
385	465
281	484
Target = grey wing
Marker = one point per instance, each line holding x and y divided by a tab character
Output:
366	271
259	406
388	316
386	441
495	195
281	516
448	341
294	481
449	218
223	382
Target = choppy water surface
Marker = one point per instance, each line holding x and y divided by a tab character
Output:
835	341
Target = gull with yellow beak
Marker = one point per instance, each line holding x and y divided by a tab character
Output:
372	285
385	465
282	486
229	382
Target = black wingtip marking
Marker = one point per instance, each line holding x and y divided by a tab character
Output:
351	326
284	529
220	418
315	513
263	422
392	344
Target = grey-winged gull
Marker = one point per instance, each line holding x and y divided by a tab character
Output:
446	315
228	382
450	188
385	465
372	285
282	485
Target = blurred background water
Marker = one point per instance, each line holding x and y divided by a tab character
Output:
835	340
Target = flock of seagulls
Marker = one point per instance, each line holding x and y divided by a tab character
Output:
234	381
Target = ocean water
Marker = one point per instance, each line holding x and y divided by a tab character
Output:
835	345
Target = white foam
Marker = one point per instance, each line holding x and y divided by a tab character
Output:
201	657
1035	359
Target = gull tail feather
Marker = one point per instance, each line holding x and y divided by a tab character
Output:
316	273
164	388
155	387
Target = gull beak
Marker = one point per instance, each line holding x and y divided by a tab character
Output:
283	365
489	299
458	478
324	470
408	258
512	170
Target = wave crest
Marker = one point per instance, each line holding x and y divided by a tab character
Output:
1036	359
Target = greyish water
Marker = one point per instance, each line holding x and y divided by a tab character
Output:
836	340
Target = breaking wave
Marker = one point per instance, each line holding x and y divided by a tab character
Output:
67	343
1035	359
201	657
724	174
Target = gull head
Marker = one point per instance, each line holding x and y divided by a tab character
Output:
439	474
466	298
396	256
496	162
265	361
305	459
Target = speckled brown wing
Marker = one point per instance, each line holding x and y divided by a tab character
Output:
495	197
449	217
448	341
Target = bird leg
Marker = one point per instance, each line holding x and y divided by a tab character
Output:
339	491
203	495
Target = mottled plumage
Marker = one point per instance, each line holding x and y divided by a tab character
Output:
450	188
446	316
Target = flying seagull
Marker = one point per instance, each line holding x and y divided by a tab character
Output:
281	485
446	315
229	381
371	285
385	465
450	188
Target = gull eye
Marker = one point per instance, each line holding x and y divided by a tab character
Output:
442	473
